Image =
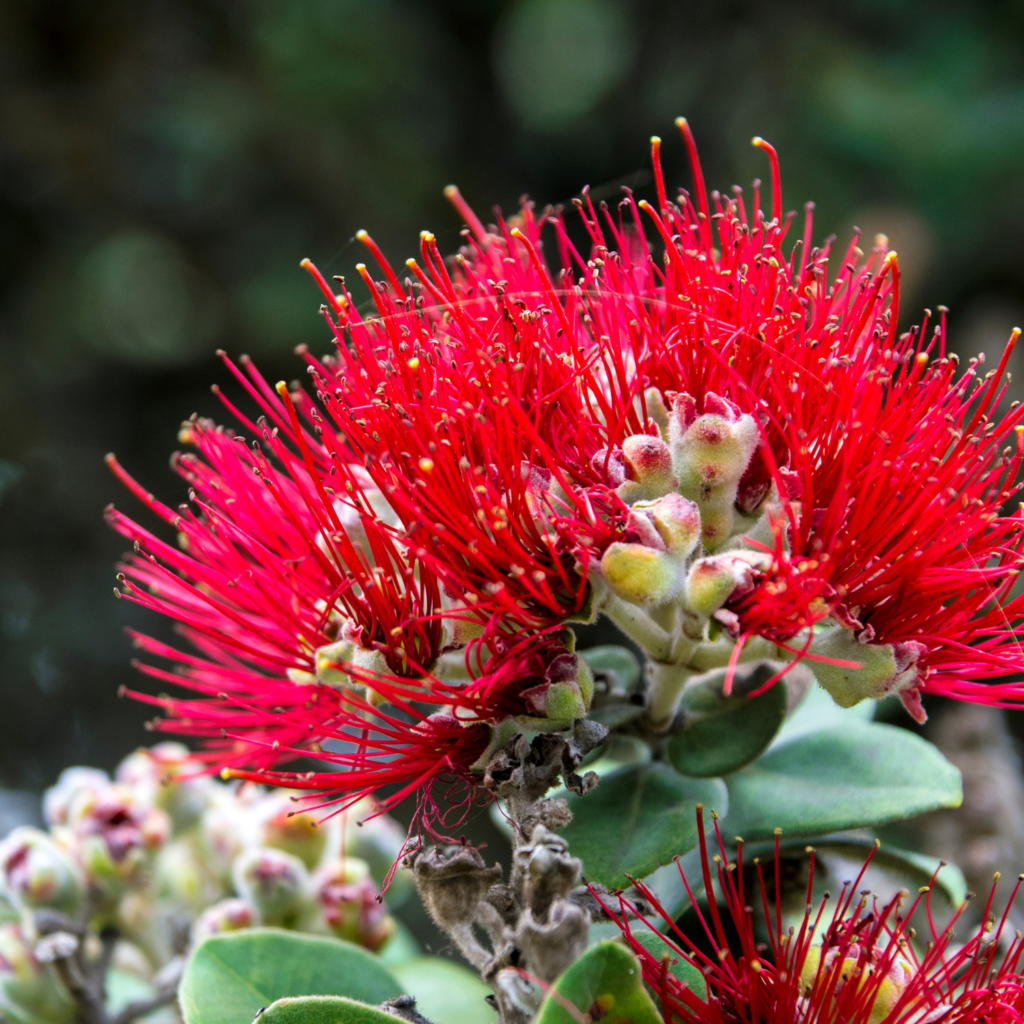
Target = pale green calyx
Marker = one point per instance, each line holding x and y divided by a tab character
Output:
884	669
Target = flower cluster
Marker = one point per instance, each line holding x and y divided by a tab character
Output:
861	964
160	857
697	429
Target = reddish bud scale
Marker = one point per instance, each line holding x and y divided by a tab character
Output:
855	966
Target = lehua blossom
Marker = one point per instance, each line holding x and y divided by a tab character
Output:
696	429
856	961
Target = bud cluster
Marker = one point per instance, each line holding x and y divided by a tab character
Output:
161	856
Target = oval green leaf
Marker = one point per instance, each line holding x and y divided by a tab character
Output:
230	978
720	735
680	969
605	983
446	992
323	1010
854	776
637	819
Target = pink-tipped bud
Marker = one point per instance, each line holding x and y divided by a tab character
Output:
677	520
648	469
639	574
168	777
36	872
610	466
230	915
712	581
58	799
710	454
116	834
566	692
274	882
347	898
863	974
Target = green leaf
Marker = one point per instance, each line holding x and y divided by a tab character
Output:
720	734
323	1010
819	711
446	992
619	663
638	818
903	865
853	776
607	984
680	969
230	978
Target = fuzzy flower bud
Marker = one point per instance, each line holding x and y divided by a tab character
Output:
648	469
639	574
284	826
272	881
230	915
347	898
160	775
856	968
331	661
710	454
884	669
228	826
29	991
57	799
116	835
182	879
566	692
712	581
36	872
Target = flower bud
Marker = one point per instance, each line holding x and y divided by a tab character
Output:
285	826
639	574
228	825
712	581
38	873
648	469
58	799
346	895
677	520
116	836
710	454
331	661
230	915
182	879
884	990
169	778
29	991
566	692
274	882
884	669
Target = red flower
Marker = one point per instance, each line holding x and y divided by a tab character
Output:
287	575
858	966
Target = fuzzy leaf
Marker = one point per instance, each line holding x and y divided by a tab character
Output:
853	776
638	818
606	984
230	978
679	968
323	1010
720	734
446	992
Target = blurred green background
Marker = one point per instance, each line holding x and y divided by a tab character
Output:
165	164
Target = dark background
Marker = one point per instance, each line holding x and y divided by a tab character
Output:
165	164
